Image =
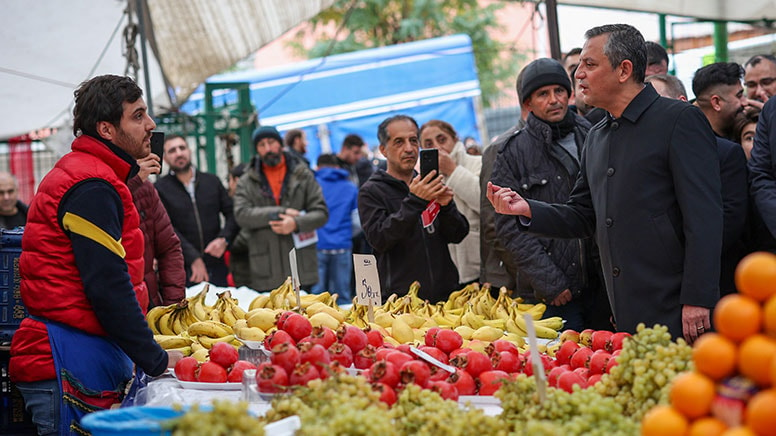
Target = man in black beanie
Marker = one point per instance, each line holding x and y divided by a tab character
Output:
541	161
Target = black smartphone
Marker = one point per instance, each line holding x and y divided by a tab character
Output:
157	143
274	216
429	160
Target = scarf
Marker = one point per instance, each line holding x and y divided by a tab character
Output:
563	127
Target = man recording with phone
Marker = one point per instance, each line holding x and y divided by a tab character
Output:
409	219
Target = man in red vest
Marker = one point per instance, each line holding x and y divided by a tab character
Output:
82	267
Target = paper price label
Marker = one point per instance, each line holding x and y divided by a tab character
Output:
367	280
295	275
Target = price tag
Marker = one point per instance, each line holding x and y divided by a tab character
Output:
295	277
367	280
431	359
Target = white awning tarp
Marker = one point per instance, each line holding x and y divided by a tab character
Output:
50	46
722	10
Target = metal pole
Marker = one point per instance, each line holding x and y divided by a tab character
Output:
144	53
661	21
552	28
720	41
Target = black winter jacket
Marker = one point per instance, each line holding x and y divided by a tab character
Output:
197	228
405	251
538	168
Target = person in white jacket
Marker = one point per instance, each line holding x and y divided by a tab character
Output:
462	173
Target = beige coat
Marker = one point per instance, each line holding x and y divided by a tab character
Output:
465	182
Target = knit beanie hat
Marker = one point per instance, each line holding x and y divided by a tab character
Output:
262	132
543	72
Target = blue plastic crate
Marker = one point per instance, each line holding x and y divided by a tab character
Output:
12	310
14	419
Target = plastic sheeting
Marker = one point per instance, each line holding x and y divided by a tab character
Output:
51	46
724	10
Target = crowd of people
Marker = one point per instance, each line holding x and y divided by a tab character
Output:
613	200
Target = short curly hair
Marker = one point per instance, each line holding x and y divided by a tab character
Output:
102	98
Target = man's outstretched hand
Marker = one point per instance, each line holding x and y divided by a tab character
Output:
507	202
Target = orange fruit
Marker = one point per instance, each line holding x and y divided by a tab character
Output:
756	275
773	372
714	356
754	358
707	426
739	431
760	414
769	316
691	394
664	421
737	317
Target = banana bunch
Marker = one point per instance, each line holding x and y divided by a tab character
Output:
170	320
247	333
482	302
208	332
226	310
459	298
280	298
546	328
175	342
324	314
197	305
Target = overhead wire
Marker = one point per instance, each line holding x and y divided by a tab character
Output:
94	67
312	69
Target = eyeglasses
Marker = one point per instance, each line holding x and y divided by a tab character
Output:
765	81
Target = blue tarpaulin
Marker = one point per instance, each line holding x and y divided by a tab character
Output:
332	97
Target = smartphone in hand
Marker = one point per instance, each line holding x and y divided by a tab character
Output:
157	143
429	160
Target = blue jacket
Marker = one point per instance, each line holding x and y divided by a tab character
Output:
341	197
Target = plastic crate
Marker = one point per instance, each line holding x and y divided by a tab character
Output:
12	310
14	420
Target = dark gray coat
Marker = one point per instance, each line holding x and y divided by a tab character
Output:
649	190
535	166
268	251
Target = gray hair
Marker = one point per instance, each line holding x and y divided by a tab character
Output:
674	86
625	43
382	129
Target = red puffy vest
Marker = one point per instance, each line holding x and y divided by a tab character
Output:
51	286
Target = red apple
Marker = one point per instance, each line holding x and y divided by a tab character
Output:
570	378
566	350
600	338
552	377
598	362
581	358
615	342
584	372
593	379
611	364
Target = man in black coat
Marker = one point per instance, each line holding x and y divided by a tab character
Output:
648	189
409	220
195	202
720	96
541	162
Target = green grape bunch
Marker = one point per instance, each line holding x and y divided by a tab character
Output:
225	418
647	364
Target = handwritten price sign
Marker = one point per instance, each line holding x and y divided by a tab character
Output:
367	280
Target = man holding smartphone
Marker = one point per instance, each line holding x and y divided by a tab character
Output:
409	219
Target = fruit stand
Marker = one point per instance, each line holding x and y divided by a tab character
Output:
463	366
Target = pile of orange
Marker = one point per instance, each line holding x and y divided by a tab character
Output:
741	354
